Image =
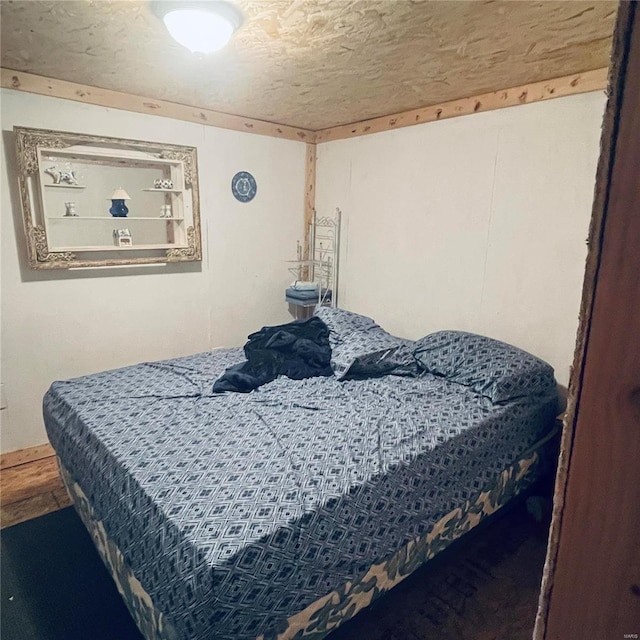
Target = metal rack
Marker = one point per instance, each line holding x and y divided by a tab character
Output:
319	261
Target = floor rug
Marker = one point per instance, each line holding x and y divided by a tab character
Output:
485	587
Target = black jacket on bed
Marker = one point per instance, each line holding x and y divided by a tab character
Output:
297	350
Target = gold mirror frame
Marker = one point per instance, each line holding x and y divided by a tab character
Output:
30	145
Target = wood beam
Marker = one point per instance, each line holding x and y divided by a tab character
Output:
591	581
309	201
41	85
595	80
309	189
22	456
31	485
30	479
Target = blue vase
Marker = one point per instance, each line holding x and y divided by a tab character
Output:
118	209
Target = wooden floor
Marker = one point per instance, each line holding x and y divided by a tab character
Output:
30	489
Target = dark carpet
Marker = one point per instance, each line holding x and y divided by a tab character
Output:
54	585
484	587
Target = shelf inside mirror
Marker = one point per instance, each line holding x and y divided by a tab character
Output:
65	186
113	219
133	247
69	180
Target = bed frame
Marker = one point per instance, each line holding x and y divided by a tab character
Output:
326	614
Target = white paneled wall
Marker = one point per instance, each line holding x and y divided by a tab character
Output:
58	325
476	223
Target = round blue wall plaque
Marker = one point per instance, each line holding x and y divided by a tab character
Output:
243	186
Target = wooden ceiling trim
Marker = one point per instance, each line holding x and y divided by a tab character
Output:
41	85
595	80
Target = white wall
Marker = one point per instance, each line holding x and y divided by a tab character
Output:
476	223
57	325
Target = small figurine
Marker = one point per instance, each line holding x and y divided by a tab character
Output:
70	209
165	211
122	238
60	176
161	183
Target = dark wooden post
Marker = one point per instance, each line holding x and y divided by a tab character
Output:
591	587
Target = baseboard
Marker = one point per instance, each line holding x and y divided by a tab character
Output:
22	456
31	485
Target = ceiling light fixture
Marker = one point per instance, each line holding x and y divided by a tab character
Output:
202	26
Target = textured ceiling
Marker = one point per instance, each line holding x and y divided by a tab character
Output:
313	63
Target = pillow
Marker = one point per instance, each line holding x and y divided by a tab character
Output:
342	322
489	367
362	348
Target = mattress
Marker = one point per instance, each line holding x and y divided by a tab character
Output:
237	511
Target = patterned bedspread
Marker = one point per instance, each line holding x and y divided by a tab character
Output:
237	511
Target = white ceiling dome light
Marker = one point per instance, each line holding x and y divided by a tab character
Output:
202	26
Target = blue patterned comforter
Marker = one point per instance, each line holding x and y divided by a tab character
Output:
237	511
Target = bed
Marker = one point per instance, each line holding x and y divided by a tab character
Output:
282	512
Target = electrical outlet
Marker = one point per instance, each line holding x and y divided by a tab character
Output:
3	397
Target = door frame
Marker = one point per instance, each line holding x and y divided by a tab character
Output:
591	587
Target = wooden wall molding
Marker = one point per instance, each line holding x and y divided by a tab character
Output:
309	192
22	456
595	80
29	479
41	85
31	485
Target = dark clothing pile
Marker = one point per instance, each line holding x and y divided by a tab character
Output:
297	350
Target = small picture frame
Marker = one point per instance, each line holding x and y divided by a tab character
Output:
122	238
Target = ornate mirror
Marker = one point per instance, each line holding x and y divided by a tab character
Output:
96	201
